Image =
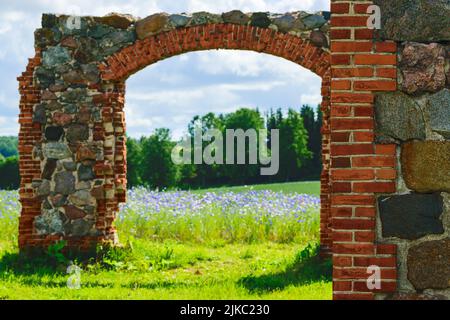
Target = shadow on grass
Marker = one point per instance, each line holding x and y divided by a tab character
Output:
306	268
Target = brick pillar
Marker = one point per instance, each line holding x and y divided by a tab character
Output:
30	165
359	168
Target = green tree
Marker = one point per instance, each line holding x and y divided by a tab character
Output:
309	121
317	143
158	170
8	146
134	159
244	119
9	173
293	146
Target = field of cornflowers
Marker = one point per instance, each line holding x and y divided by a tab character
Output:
254	243
243	217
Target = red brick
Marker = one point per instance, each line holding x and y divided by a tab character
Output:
361	8
351	72
353	248
353	224
386	73
374	161
365	236
377	261
348	200
340	136
386	149
353	296
363	111
375	187
342	261
348	21
363	136
351	46
342	286
352	124
385	287
386	249
341	212
341	187
351	98
386	47
341	85
363	34
340	7
375	59
375	85
340	59
340	34
386	174
342	236
340	163
341	111
352	174
353	149
369	212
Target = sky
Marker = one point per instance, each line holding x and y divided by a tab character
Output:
170	92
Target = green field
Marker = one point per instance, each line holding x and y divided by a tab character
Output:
187	256
307	187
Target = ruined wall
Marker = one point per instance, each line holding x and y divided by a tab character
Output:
385	185
390	169
416	118
73	133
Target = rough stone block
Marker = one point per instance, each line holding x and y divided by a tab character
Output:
438	110
411	216
415	20
398	118
426	165
429	265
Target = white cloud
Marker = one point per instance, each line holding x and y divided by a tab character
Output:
311	99
217	81
9	126
251	64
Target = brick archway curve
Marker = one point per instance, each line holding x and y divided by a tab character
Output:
120	66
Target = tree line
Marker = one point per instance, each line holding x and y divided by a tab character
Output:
149	161
9	163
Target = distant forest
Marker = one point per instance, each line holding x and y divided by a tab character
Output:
9	163
149	160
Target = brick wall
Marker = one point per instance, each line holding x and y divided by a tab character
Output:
360	169
384	185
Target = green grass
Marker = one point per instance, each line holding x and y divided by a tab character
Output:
166	267
179	271
306	187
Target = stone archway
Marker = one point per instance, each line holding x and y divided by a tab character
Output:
72	128
72	138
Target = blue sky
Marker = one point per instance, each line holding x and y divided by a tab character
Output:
168	93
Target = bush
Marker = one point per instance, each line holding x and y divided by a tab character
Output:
9	173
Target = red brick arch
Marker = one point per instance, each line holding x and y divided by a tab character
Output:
143	53
356	168
215	36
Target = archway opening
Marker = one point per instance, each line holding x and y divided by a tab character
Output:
228	211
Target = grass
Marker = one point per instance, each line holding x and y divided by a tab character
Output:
306	187
169	267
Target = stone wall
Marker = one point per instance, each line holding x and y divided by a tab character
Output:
73	133
385	186
416	118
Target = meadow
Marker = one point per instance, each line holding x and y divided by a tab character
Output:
252	242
